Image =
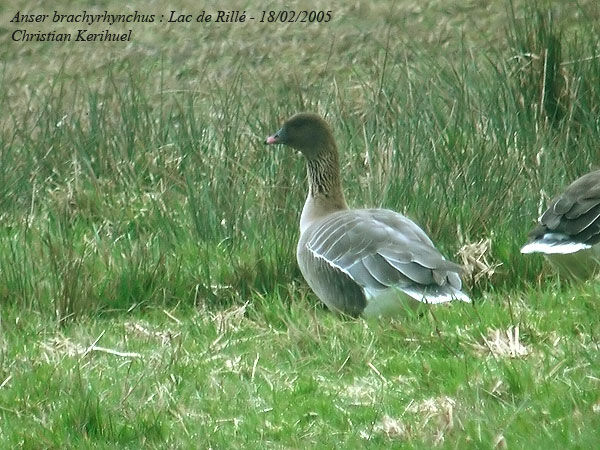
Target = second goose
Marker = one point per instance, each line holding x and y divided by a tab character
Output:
568	233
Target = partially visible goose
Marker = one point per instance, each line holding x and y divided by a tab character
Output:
568	232
373	262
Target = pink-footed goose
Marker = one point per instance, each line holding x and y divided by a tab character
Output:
568	233
373	262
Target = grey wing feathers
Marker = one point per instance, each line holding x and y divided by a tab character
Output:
380	249
574	216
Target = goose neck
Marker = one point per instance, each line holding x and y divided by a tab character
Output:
325	194
324	175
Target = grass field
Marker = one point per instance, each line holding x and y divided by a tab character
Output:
149	292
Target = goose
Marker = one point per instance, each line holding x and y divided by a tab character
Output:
369	262
568	232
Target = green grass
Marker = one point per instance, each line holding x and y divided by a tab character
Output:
148	287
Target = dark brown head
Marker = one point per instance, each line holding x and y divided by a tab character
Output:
306	132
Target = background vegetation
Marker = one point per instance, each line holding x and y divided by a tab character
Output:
149	293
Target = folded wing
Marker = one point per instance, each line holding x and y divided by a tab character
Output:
379	249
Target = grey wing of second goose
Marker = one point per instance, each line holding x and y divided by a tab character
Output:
374	250
571	222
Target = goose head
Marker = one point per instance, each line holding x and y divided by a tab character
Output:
307	133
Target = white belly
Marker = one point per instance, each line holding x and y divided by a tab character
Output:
391	303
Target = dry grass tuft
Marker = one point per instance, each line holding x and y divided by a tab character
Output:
392	428
502	344
477	260
143	330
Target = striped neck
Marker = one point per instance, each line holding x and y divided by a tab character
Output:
324	175
325	194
